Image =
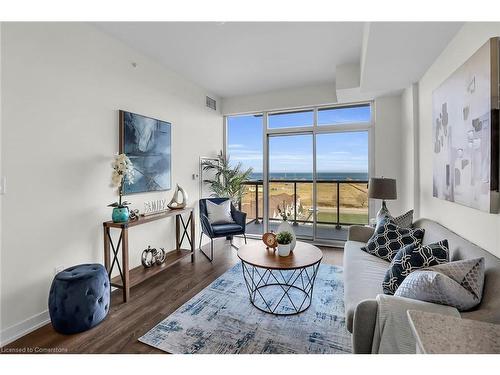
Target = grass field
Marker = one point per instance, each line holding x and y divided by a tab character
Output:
353	201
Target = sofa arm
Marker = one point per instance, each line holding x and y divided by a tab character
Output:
366	315
363	326
360	233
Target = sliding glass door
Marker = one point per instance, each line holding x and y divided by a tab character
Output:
290	187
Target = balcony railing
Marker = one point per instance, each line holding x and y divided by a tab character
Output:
339	202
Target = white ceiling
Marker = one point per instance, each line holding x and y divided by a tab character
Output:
241	58
233	59
398	53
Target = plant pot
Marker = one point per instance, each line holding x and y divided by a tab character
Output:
120	215
286	227
283	250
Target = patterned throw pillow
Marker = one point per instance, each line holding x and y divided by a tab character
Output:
411	258
404	221
388	239
458	284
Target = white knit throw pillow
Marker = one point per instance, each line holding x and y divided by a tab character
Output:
219	213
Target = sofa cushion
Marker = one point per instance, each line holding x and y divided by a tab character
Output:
411	258
458	284
388	239
363	276
223	229
489	308
404	221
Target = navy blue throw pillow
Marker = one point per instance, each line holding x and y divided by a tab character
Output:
388	239
411	258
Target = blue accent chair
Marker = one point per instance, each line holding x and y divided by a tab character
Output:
79	298
221	230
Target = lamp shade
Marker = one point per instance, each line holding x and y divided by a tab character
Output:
382	188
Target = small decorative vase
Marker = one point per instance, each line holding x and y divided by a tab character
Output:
120	214
286	227
283	250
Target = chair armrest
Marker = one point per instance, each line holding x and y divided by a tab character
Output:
206	227
239	218
360	233
363	326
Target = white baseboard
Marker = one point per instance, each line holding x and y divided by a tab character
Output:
23	328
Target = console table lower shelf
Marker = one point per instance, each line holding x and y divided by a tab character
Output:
127	278
139	274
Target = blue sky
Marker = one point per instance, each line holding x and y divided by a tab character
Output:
339	152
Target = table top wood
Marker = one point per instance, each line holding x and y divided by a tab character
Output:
146	219
256	254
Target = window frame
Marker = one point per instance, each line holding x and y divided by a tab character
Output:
323	108
315	129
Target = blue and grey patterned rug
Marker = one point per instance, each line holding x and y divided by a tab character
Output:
220	319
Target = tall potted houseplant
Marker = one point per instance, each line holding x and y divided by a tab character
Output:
228	180
123	171
285	212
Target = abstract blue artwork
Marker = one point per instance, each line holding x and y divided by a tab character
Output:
147	143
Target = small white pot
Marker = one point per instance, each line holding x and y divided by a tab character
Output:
283	250
286	227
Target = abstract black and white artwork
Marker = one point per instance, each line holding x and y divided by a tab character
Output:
465	132
147	143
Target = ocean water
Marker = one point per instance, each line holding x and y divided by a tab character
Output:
308	176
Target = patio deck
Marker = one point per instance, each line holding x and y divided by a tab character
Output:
324	232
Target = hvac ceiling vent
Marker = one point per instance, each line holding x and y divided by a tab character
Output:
211	103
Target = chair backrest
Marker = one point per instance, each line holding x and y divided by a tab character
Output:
203	203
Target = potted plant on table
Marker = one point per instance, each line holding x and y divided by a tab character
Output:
123	170
284	240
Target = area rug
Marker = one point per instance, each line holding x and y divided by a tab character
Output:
220	319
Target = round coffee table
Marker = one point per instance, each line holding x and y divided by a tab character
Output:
280	285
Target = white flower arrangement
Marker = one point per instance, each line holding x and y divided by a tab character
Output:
123	169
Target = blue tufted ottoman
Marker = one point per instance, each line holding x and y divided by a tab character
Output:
79	298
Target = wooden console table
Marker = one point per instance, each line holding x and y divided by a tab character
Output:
128	278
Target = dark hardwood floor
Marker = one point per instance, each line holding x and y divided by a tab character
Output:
151	302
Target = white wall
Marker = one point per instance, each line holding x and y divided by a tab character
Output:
62	87
387	147
409	182
281	99
479	227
